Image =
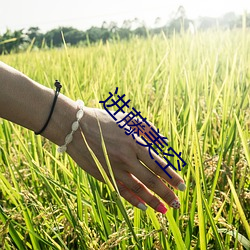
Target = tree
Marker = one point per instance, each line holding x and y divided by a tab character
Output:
71	35
229	20
34	33
157	22
13	41
127	24
180	22
113	26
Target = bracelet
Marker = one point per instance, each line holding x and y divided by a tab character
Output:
74	127
58	87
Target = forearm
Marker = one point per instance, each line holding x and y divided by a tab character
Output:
27	103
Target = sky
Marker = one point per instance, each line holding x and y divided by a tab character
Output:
81	14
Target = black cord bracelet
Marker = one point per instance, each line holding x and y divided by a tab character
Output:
58	87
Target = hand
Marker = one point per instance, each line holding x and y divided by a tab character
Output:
21	98
127	157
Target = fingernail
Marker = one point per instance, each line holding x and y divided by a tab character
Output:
142	206
181	186
161	208
175	204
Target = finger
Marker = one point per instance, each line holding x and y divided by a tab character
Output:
131	197
142	180
157	165
137	189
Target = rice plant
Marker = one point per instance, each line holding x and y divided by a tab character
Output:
195	89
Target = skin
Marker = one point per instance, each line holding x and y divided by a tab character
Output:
28	103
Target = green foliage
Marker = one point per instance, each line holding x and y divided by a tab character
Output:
20	41
71	35
195	88
13	41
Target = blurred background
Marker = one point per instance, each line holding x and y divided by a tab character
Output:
86	22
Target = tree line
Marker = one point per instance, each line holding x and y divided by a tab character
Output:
20	40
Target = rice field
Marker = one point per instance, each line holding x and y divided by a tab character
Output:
195	89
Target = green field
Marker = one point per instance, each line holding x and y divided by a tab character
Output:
195	89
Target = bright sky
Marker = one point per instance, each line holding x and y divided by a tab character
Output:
81	14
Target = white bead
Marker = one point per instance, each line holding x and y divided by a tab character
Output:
75	126
79	114
80	103
62	149
69	138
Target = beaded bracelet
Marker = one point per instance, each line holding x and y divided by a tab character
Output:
74	127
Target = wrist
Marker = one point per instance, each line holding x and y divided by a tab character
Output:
61	121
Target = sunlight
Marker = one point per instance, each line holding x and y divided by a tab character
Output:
82	16
214	8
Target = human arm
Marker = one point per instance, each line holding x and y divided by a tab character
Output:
27	103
